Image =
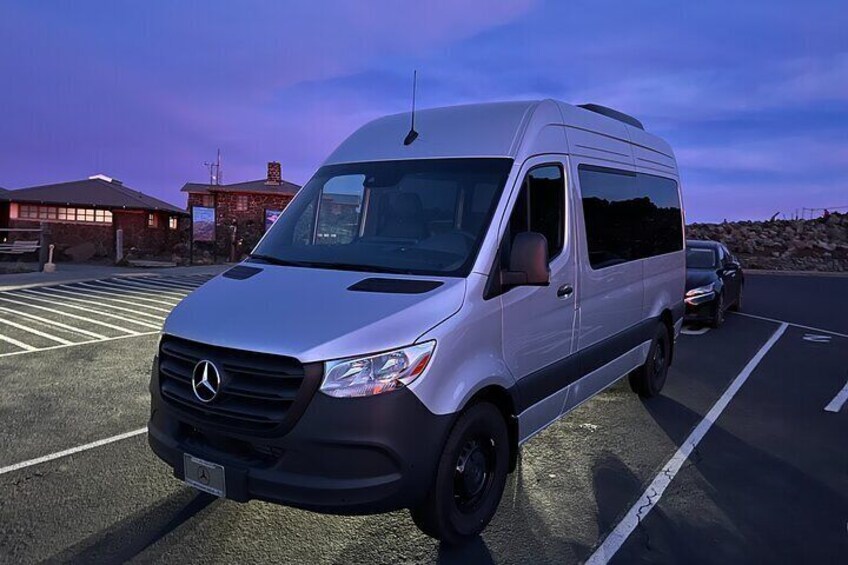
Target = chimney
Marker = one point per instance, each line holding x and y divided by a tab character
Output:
275	173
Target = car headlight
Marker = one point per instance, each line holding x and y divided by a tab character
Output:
706	289
375	374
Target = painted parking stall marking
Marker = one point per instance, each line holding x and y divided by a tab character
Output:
649	499
838	401
817	338
687	330
64	315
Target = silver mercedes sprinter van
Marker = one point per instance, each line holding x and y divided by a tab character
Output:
426	304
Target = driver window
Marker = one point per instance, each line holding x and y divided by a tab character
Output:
540	207
339	210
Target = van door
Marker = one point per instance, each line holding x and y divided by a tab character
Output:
610	275
539	322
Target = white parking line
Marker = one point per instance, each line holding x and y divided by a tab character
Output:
90	310
802	326
128	294
180	284
69	315
36	332
158	287
52	347
135	290
71	451
92	298
53	323
691	331
649	499
838	401
817	338
64	295
110	295
25	346
150	289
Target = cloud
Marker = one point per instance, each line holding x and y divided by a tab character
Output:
750	95
789	155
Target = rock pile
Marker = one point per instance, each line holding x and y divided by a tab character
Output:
793	245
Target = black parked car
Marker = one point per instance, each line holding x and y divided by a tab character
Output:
714	282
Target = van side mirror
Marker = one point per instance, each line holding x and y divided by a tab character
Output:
528	261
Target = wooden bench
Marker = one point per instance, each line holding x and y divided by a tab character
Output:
19	247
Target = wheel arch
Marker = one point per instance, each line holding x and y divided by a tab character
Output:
503	400
668	321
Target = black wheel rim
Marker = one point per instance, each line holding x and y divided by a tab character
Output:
474	473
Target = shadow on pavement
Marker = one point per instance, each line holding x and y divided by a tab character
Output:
615	487
733	502
474	552
521	531
131	536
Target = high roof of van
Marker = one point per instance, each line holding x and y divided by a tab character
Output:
506	129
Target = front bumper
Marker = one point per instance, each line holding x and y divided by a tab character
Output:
344	455
700	308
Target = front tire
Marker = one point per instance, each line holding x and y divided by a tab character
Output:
648	380
470	477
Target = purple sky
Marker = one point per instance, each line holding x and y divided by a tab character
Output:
752	95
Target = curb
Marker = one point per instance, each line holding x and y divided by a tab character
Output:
836	274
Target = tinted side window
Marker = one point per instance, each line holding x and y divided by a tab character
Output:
610	209
540	207
663	223
628	215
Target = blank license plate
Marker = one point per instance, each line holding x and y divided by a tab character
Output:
205	476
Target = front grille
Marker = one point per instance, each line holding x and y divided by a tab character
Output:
259	393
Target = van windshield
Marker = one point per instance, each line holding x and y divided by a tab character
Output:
420	217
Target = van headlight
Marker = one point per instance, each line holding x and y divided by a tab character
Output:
375	374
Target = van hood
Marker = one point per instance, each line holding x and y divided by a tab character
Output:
310	314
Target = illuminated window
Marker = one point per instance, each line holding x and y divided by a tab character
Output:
173	222
152	220
241	202
65	215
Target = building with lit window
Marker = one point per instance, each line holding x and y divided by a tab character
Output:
89	212
243	210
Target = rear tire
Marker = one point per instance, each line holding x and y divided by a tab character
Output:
470	477
718	317
737	306
648	380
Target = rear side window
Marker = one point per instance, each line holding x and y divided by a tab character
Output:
628	215
663	223
540	207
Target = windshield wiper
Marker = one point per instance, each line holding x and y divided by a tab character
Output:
320	265
360	268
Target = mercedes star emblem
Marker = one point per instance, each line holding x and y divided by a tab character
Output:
205	381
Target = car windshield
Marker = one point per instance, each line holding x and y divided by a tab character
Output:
422	217
700	258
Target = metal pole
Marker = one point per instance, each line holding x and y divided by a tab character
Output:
42	246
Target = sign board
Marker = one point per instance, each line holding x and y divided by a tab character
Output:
271	217
202	223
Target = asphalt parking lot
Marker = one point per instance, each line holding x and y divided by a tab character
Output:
744	457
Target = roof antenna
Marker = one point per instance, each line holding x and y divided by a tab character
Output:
412	135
